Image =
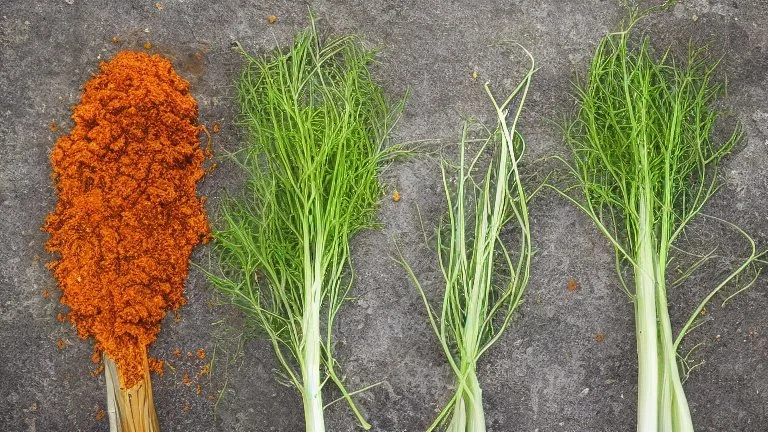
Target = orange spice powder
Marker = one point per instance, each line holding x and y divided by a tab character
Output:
128	215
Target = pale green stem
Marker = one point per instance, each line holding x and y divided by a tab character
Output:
673	410
468	414
645	322
311	347
310	371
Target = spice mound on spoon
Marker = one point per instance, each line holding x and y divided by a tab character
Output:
127	218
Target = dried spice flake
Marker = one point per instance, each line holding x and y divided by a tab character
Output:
572	285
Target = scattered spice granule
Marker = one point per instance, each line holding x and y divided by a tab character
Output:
572	285
159	6
396	196
60	317
128	214
176	313
599	337
216	127
53	126
704	312
189	354
147	45
271	19
115	40
46	293
538	300
199	389
177	353
95	373
95	357
204	370
474	75
186	408
61	344
200	354
186	380
100	414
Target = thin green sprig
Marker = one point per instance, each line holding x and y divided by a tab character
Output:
645	161
317	126
478	304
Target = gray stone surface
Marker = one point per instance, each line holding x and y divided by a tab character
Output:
548	373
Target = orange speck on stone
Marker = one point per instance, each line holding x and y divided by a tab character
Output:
186	380
95	357
147	45
204	370
216	127
600	337
159	6
176	316
115	40
199	389
61	344
572	285
100	414
60	317
200	354
53	126
271	19
186	408
46	293
177	353
704	312
396	196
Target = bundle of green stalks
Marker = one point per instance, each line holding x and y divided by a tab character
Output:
645	162
484	281
317	125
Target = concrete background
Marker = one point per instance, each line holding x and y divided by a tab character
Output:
548	373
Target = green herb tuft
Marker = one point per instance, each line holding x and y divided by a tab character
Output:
317	124
484	281
645	161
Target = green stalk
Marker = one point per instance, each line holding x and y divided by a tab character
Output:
484	281
645	324
311	348
645	163
317	127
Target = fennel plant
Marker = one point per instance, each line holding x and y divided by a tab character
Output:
317	123
645	161
484	281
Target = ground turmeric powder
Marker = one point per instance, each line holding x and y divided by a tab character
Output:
127	216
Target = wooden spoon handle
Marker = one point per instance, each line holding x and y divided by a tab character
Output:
130	410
